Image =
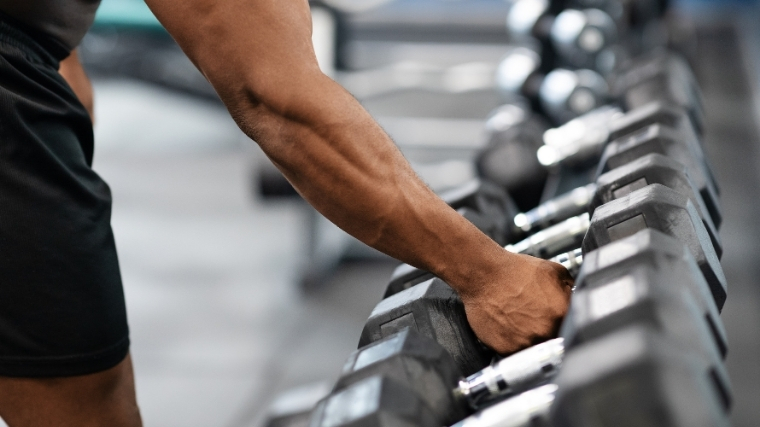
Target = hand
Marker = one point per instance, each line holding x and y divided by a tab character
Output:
523	307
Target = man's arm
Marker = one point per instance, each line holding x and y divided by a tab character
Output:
258	56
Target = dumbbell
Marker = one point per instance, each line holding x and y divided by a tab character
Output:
648	169
633	377
654	206
666	141
574	38
579	143
559	94
514	134
662	77
414	360
433	309
656	127
642	294
423	366
659	76
583	140
486	205
652	168
375	401
292	407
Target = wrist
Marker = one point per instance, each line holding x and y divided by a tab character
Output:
476	267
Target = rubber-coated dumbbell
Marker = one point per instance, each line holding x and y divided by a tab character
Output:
414	360
513	135
559	94
632	377
486	205
659	76
375	401
654	206
573	38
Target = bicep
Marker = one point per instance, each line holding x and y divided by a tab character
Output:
245	48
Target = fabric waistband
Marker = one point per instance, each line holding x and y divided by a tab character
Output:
30	42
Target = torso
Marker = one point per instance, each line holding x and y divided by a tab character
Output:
66	21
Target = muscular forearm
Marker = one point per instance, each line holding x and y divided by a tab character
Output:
345	165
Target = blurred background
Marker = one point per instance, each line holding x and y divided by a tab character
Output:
237	290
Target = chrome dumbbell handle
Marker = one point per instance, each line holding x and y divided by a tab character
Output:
522	410
552	241
514	374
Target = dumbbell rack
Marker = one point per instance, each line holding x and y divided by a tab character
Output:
612	397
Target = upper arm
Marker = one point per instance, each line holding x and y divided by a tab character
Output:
258	49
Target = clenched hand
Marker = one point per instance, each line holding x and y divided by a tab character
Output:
522	307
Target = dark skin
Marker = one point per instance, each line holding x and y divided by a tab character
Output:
258	56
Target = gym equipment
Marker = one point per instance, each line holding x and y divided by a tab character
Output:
645	294
560	94
661	139
659	76
670	262
486	205
375	401
635	293
292	408
582	140
663	252
652	202
527	409
513	374
414	360
514	134
633	133
661	208
552	241
654	169
433	309
574	38
648	169
633	377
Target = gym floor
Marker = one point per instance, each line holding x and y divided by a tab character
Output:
218	324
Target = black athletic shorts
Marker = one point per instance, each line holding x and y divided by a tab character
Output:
62	307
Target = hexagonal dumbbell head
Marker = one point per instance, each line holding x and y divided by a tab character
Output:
637	377
661	208
415	361
376	401
663	140
650	169
433	309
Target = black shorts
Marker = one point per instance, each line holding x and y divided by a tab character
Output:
62	307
